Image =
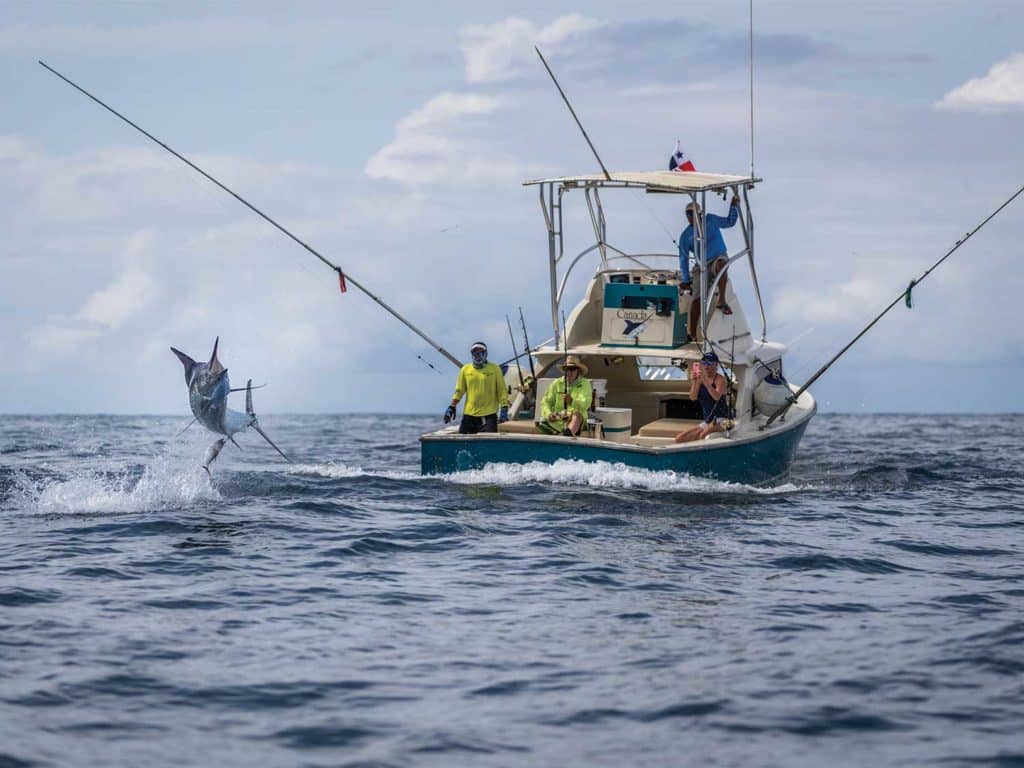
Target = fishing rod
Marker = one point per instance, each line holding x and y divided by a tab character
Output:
342	276
515	352
905	296
607	176
565	360
526	340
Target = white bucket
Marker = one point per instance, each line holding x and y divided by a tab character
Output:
616	423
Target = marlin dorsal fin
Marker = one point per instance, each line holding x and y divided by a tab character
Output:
214	365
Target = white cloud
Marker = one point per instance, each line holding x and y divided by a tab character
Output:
105	311
439	143
431	145
845	302
496	52
1002	88
124	298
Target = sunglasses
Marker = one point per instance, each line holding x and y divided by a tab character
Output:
571	368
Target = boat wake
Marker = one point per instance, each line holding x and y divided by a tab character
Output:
602	474
564	472
159	484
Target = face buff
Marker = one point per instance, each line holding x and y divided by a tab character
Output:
479	354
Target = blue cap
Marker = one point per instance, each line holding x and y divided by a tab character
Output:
709	358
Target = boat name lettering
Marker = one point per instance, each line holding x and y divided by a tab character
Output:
631	314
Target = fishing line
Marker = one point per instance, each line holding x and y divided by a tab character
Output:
904	296
343	277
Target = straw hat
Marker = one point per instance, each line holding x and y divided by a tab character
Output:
571	360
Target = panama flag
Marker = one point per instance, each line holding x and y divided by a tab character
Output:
679	161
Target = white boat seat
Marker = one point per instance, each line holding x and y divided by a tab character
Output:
666	427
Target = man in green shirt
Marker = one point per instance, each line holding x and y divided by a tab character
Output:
483	384
567	401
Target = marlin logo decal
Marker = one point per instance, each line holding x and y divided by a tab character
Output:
635	327
208	390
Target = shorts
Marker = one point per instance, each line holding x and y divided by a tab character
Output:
471	425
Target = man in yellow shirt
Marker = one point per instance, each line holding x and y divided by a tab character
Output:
483	383
567	401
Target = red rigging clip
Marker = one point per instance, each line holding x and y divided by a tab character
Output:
341	281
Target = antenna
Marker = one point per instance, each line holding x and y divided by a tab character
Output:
607	176
751	89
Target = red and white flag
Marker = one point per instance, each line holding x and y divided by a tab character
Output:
679	161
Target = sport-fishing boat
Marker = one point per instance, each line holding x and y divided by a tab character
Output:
630	332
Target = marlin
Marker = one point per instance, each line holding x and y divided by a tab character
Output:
208	390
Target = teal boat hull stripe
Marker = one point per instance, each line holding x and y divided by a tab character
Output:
752	462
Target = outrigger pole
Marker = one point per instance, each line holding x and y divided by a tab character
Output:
343	277
565	98
905	296
522	384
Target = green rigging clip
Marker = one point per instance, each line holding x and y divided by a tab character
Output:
908	294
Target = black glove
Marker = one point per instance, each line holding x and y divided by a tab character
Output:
449	414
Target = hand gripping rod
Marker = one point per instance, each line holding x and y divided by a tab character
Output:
793	398
348	278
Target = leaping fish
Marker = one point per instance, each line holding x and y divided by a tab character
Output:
208	389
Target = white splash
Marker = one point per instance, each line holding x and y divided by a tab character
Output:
567	472
161	485
602	474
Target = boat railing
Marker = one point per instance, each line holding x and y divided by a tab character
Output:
620	255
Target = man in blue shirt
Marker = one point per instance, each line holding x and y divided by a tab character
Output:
717	255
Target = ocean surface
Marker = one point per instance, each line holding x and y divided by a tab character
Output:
346	611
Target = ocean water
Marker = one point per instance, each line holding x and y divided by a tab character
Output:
346	611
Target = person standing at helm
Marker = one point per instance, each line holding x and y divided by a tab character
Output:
567	401
716	258
483	384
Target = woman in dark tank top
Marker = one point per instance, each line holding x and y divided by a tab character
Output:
709	388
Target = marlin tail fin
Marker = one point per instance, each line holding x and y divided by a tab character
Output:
255	424
186	361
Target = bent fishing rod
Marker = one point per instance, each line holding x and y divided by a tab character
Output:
343	277
906	296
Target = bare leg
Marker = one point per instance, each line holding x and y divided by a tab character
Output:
575	423
690	434
715	269
710	429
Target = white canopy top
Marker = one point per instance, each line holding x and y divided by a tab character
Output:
656	181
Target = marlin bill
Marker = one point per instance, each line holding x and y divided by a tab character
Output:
208	390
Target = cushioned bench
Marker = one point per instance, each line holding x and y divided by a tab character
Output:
518	427
666	427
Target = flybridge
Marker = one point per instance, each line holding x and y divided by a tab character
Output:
666	326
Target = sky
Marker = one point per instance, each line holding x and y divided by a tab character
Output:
394	139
